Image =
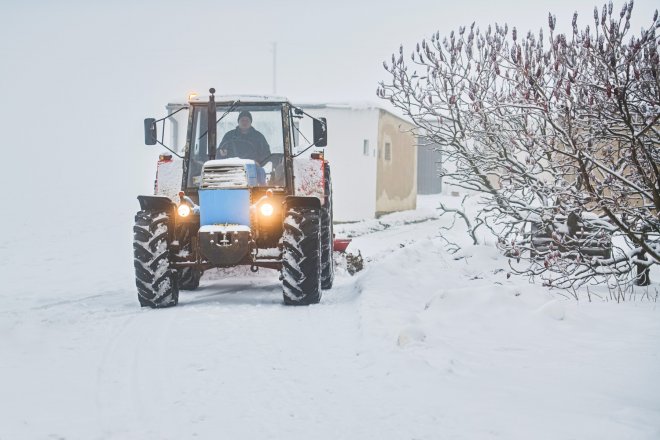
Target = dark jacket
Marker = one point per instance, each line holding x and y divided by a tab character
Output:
251	145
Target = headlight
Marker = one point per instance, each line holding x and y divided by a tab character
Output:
266	209
183	210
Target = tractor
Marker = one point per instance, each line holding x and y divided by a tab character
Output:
217	205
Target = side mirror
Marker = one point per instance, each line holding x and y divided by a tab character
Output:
320	132
150	134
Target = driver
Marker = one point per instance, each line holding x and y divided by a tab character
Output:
244	141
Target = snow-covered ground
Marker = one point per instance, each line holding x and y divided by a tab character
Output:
422	344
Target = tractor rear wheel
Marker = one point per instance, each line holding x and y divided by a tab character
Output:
156	282
327	235
189	278
301	256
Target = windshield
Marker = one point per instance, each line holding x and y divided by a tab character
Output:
248	132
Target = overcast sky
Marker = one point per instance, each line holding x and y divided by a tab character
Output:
330	50
78	77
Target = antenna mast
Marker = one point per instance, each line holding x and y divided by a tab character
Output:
274	68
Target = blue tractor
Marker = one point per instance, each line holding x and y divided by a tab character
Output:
250	194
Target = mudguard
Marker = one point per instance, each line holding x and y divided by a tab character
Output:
309	176
159	203
308	202
169	173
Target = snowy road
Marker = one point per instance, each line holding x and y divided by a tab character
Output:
417	346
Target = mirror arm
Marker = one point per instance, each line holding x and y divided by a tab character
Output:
170	115
298	154
298	109
169	149
162	136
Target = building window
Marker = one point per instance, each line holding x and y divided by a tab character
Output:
365	147
388	151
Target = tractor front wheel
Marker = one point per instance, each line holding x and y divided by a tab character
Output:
301	256
156	282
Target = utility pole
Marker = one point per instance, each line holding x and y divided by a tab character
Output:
274	68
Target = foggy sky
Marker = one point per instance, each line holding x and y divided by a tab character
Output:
78	78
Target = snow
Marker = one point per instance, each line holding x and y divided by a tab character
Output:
229	162
232	98
225	173
422	344
269	252
308	174
355	106
80	360
353	229
223	229
168	178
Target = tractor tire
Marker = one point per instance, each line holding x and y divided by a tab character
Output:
327	235
156	282
188	276
301	256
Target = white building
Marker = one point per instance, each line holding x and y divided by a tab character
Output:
373	158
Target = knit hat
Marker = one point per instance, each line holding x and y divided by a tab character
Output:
245	113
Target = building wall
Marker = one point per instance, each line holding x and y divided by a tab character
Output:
353	172
396	180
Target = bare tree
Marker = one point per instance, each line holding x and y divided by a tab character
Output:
564	132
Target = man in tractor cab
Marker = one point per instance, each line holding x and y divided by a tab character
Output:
244	141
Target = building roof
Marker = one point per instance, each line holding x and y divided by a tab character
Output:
357	106
342	105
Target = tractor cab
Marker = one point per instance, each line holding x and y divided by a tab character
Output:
254	131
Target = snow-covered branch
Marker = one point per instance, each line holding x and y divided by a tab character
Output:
544	129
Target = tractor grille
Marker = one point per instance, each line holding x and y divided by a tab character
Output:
223	176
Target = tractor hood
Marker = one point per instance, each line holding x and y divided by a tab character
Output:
231	174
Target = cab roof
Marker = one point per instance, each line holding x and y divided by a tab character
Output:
248	99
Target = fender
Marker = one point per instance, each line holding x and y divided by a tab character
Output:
159	203
309	176
303	201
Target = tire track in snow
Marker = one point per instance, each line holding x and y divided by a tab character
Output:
130	375
106	385
374	246
296	354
